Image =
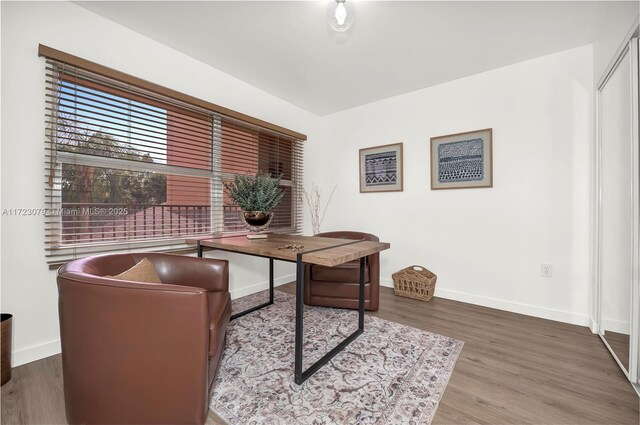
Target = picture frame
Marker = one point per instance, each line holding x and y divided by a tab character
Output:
462	160
381	168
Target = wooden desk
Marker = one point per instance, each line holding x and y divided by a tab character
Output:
316	250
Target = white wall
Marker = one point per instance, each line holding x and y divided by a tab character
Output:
28	288
485	245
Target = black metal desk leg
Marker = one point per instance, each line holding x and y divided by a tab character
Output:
361	296
299	314
268	303
318	364
271	280
199	250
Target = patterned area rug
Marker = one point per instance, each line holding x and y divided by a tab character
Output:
390	374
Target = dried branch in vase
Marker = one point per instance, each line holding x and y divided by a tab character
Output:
316	209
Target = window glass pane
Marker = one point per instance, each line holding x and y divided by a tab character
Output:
105	204
275	155
283	217
99	120
97	123
246	150
239	149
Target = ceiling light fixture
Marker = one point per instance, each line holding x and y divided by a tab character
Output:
340	14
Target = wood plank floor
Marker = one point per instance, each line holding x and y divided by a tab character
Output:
620	345
513	369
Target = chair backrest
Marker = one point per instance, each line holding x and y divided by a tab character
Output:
373	260
97	268
347	234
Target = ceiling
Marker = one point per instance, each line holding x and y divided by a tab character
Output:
394	47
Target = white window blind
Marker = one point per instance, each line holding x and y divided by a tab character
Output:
129	167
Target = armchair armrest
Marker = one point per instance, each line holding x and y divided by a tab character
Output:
207	273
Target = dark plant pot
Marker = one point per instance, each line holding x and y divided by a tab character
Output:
256	218
256	221
5	339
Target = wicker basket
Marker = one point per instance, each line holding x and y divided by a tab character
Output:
414	282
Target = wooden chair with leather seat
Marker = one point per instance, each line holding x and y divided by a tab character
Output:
136	352
339	286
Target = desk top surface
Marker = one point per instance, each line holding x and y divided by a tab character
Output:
316	250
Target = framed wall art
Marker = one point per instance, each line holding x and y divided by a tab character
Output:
381	168
462	160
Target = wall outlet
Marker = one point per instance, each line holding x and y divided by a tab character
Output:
546	270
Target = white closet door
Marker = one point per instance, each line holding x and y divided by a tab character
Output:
616	210
634	367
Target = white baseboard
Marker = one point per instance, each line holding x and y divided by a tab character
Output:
614	325
36	352
261	286
514	307
593	326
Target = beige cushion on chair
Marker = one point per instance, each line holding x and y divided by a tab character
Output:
143	272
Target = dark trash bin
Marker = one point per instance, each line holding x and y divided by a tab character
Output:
5	346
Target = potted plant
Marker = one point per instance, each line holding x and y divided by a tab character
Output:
256	195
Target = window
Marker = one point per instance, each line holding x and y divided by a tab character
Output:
248	150
129	166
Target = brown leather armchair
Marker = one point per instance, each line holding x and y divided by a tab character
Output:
141	353
338	286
